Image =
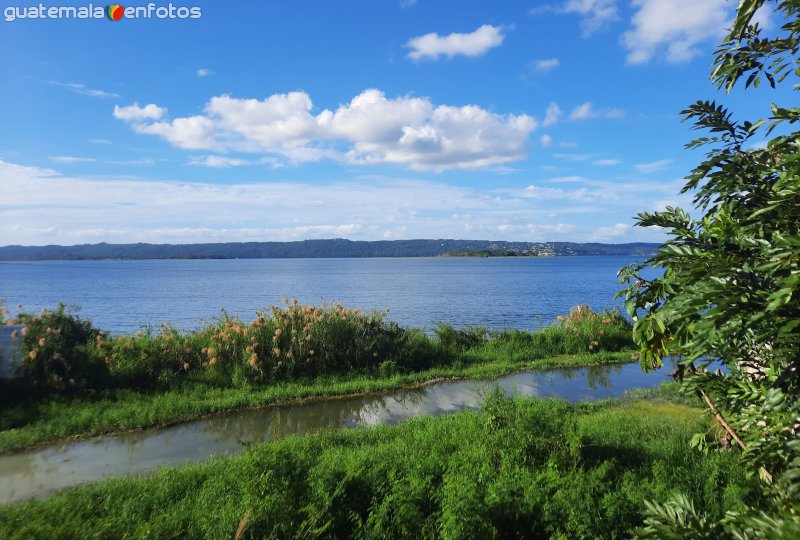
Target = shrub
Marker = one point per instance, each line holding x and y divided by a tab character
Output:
145	360
280	343
728	285
582	331
58	344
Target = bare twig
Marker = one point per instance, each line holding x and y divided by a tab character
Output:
722	422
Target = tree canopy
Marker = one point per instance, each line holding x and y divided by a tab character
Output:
728	289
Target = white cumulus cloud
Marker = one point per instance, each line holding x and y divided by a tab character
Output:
133	113
370	129
475	43
194	132
674	28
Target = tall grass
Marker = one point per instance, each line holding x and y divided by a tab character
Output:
283	343
518	469
582	331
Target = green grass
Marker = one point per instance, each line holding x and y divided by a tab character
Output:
518	468
59	417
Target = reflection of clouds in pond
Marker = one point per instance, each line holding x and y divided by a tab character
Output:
576	384
433	400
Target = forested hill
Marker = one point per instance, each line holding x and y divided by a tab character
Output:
316	248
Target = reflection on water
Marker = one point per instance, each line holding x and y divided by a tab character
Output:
39	472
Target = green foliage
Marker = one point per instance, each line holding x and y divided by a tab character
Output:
677	519
58	345
729	288
282	344
460	340
519	469
582	331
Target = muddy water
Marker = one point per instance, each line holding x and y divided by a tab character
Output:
39	472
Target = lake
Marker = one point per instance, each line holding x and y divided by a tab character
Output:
121	296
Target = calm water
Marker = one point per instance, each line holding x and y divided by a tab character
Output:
123	295
39	472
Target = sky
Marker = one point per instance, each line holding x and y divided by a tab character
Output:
367	120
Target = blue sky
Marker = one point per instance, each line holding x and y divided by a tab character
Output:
364	120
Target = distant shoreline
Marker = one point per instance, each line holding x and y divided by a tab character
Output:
331	248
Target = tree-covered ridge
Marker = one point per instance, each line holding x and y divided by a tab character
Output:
329	248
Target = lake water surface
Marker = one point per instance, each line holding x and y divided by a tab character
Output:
121	296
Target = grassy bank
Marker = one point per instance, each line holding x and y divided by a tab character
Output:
112	411
80	381
519	468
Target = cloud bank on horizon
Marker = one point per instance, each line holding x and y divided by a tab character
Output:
47	207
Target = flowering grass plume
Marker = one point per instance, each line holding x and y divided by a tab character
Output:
285	342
